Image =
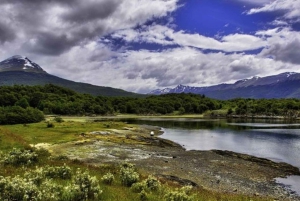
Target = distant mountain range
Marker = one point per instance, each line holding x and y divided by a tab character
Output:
19	70
285	85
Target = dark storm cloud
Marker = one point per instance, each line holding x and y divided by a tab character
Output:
87	12
53	27
158	73
37	2
285	52
132	76
6	33
50	44
88	32
240	69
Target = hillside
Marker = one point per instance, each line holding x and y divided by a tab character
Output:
19	70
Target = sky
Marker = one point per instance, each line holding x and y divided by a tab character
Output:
142	45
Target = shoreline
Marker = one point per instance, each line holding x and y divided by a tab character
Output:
198	116
214	170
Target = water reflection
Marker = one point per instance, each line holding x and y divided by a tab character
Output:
291	182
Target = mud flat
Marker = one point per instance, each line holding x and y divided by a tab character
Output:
215	170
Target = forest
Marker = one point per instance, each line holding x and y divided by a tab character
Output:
26	104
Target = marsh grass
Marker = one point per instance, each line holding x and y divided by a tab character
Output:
62	132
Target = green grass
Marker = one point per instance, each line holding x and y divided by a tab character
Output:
62	132
23	135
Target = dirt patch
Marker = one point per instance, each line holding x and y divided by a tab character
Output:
41	145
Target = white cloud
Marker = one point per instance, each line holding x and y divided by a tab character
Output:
291	7
283	44
279	23
256	2
144	70
166	36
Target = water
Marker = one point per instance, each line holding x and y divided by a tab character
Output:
280	145
275	140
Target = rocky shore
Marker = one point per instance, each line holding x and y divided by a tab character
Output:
214	170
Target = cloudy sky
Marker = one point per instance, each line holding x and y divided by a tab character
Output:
142	45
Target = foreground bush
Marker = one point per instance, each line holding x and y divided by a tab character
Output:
108	178
61	172
182	194
84	187
35	186
148	185
18	188
19	157
128	174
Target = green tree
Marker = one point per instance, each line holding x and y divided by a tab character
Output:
22	103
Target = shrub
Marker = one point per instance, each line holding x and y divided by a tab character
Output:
50	125
182	194
58	119
36	187
36	177
108	178
84	187
51	191
41	152
138	187
152	183
62	172
2	184
20	157
18	189
128	174
149	184
143	196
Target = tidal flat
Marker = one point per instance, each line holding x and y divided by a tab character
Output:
215	174
214	170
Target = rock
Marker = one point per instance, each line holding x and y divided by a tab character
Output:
183	182
284	167
100	133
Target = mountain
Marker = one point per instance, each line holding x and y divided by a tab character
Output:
20	63
285	85
19	70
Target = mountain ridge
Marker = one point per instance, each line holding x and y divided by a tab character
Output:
255	87
19	70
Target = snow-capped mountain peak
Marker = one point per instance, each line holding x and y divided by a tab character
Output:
20	63
250	87
288	74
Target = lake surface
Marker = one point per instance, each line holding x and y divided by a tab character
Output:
275	140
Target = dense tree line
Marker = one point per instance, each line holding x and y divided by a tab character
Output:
265	107
51	99
17	115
